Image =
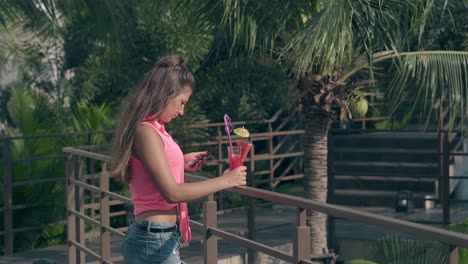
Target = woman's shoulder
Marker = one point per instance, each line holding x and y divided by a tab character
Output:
146	136
145	129
157	126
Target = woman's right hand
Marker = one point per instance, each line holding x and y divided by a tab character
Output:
236	177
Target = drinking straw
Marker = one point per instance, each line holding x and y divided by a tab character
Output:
228	129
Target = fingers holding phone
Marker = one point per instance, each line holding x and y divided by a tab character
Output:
196	159
200	159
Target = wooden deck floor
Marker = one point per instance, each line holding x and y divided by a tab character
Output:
281	218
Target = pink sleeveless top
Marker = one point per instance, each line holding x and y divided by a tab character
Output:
145	195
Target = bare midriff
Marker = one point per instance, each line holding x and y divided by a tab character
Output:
162	216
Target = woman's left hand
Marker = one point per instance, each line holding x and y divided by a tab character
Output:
196	159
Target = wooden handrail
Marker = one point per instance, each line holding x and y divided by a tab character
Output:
91	152
210	227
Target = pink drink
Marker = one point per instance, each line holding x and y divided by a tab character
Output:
235	158
235	162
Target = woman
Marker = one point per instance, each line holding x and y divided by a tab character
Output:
148	159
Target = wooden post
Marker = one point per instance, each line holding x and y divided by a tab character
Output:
220	152
104	211
90	170
79	202
453	255
7	199
445	181
71	219
210	242
220	164
301	246
445	191
252	254
271	162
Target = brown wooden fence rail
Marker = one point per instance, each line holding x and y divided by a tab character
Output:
216	137
9	181
280	161
78	220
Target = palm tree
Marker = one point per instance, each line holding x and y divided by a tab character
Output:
332	50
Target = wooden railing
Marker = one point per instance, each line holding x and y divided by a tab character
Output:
77	219
279	161
9	163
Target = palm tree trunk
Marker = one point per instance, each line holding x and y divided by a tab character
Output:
316	123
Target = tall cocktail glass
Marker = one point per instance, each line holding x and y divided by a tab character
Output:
235	157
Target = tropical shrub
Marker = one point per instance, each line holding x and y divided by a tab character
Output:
462	227
395	249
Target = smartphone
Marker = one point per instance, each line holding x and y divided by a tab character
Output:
202	156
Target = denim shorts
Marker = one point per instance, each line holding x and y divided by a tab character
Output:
146	247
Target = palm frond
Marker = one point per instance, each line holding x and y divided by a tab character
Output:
429	75
48	17
11	10
21	108
345	28
261	26
87	118
394	249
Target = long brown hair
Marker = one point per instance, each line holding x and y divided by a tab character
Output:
166	80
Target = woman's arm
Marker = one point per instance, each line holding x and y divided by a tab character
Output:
148	147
